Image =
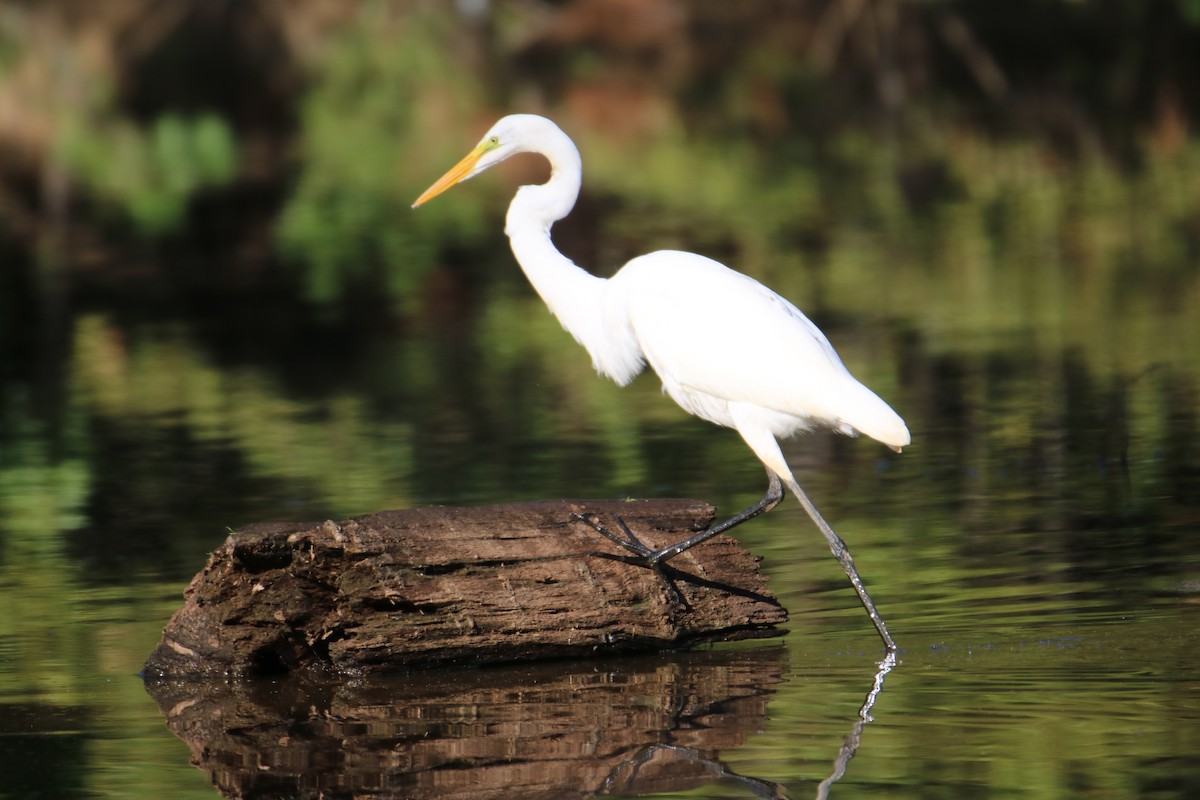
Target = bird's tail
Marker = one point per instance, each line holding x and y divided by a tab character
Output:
867	414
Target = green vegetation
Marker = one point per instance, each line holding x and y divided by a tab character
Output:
149	174
373	124
1030	305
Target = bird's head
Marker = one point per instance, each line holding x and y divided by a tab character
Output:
516	133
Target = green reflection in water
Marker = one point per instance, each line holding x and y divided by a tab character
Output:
345	461
1068	713
1033	319
1032	552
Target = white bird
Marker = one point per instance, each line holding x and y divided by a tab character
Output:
727	348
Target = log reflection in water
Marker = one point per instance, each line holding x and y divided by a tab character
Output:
561	730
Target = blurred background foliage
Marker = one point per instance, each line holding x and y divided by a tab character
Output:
216	305
784	138
206	235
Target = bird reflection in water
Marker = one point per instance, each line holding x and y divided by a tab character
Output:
624	780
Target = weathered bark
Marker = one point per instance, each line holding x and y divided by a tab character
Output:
433	586
559	730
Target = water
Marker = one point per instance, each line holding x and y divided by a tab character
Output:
303	346
1043	593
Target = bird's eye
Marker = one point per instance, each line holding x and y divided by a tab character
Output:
494	141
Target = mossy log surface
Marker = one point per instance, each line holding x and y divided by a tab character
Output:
448	585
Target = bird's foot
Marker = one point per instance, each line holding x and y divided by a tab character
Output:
653	559
627	539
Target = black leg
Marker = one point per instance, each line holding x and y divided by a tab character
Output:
842	553
655	557
769	500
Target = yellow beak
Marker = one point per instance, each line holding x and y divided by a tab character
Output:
456	174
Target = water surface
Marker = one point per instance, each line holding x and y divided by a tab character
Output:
305	347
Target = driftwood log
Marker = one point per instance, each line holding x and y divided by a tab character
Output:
563	730
435	586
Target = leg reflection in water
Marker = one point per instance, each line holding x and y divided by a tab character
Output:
850	745
624	779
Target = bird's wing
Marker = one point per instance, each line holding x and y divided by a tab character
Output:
709	329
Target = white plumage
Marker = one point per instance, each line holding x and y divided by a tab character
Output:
727	348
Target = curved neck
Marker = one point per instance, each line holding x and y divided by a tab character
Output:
572	294
547	203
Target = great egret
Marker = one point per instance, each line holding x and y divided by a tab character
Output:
727	348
